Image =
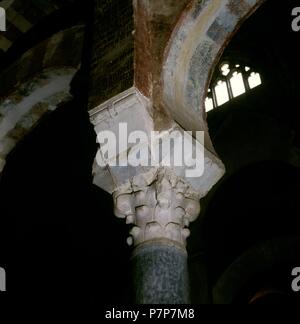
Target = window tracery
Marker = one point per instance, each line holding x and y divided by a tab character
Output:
232	81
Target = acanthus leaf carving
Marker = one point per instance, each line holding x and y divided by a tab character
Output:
159	205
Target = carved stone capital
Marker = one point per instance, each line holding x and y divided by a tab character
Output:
159	205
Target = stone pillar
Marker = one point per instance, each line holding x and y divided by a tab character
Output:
158	201
159	206
160	274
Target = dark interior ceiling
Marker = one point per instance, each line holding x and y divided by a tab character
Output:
42	18
23	16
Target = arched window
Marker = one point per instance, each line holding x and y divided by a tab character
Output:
232	81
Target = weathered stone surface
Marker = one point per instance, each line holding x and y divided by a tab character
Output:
154	20
195	45
61	50
22	110
160	275
134	109
129	107
159	206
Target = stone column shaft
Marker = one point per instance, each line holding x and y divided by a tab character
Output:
160	274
